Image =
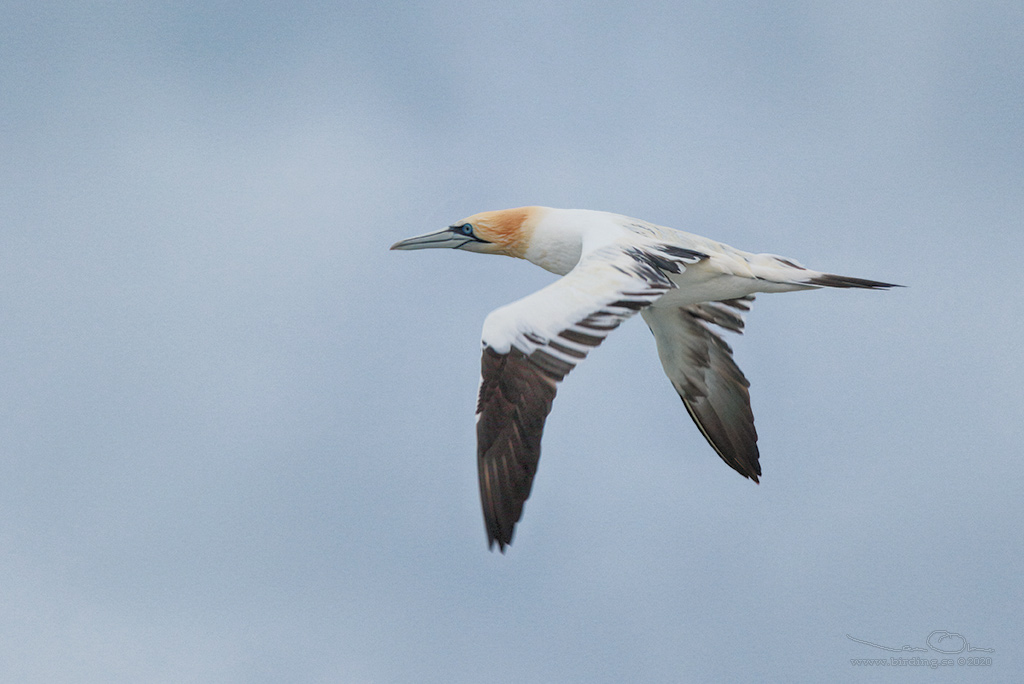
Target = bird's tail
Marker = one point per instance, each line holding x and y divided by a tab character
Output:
787	275
832	280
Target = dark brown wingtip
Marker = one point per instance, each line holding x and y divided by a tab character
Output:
832	280
515	398
737	448
496	535
502	545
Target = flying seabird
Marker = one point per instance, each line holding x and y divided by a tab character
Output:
613	266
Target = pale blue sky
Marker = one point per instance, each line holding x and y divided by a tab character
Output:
237	435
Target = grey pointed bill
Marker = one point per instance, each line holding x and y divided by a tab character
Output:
447	238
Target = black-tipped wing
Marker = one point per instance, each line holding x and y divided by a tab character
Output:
515	399
713	388
531	344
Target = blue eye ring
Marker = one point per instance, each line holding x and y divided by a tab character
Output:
466	229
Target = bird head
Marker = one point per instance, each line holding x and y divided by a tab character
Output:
490	232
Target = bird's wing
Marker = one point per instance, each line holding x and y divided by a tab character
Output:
531	344
700	365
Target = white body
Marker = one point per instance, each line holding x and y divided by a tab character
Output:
561	236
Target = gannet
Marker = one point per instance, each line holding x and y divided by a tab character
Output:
612	267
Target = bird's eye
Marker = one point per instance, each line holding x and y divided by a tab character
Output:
466	229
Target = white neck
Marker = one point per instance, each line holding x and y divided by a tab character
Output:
560	236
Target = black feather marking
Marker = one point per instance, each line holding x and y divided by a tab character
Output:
682	253
787	262
629	304
575	353
581	337
591	324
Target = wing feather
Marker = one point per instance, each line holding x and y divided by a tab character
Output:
529	346
713	388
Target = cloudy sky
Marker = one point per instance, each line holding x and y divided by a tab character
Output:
237	433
